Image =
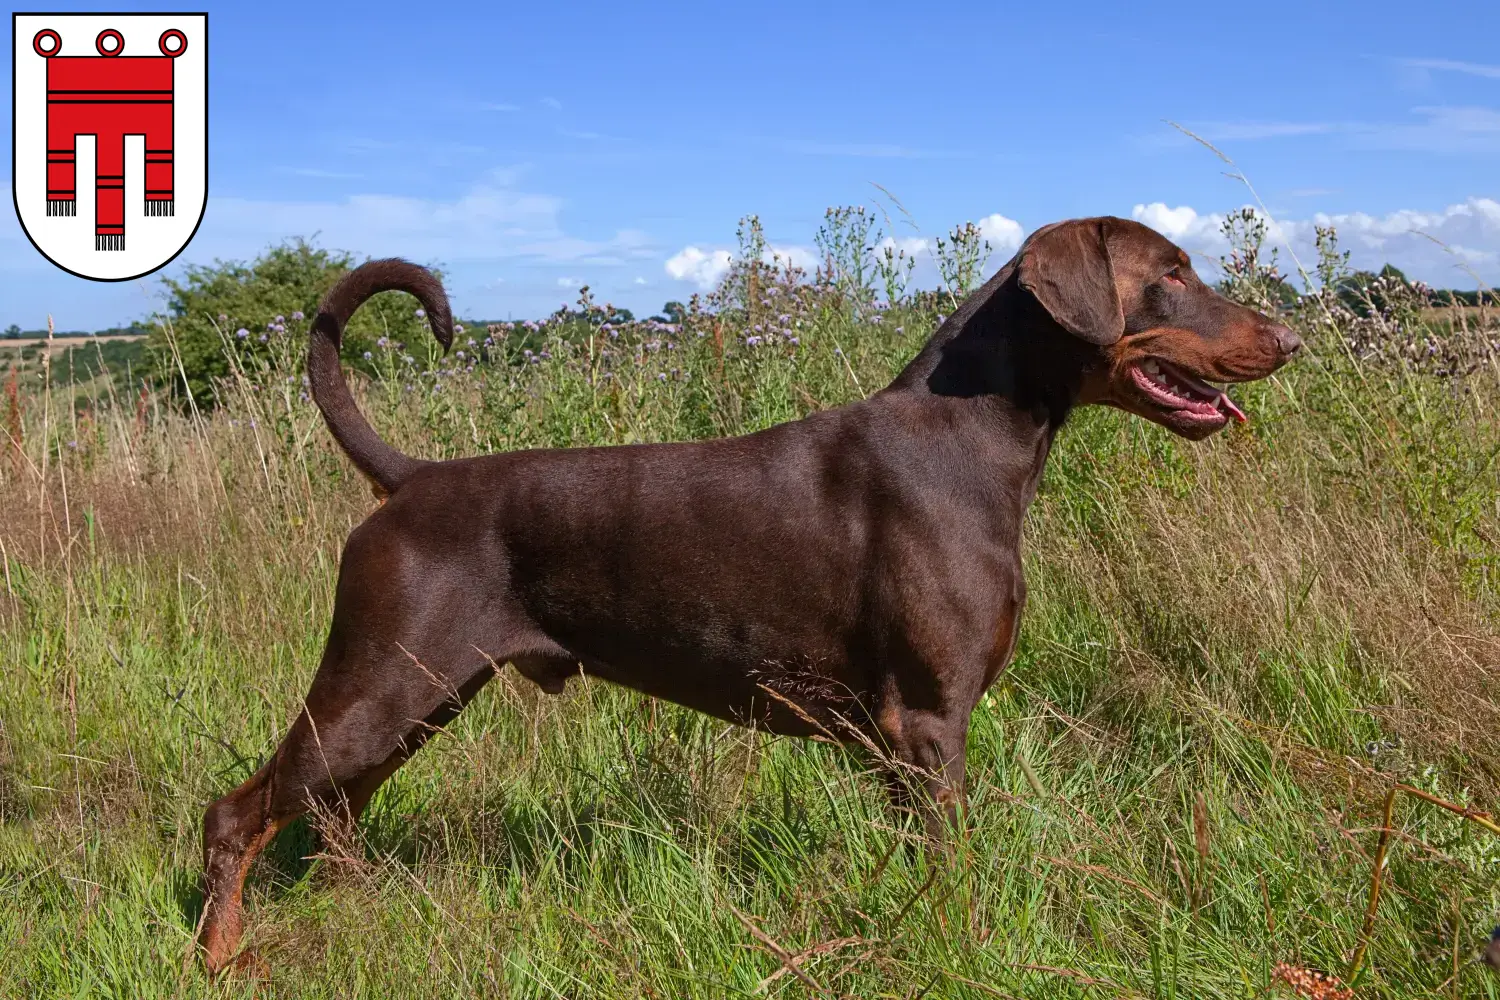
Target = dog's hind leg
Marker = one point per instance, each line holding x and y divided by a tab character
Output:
364	716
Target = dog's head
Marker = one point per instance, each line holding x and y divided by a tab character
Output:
1162	334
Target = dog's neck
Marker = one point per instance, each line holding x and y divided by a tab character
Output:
1002	350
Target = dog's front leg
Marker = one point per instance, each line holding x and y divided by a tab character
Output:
924	757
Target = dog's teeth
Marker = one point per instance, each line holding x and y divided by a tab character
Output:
1151	367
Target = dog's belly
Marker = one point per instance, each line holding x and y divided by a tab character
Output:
784	693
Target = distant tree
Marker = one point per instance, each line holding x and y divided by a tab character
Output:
12	332
672	312
209	306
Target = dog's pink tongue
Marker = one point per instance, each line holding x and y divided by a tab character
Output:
1228	406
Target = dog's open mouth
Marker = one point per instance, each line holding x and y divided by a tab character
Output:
1189	398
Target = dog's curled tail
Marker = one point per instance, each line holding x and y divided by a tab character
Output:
383	464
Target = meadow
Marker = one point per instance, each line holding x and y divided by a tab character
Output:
1233	654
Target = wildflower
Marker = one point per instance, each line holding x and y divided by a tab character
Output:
900	329
407	388
368	355
783	319
793	341
297	315
262	338
545	355
661	377
752	341
252	423
73	444
471	342
839	351
420	314
875	319
242	333
383	342
459	328
1310	983
302	396
408	359
223	318
460	354
280	319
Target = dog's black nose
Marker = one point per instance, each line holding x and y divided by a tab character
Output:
1287	342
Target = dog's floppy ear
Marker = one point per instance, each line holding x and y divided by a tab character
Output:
1066	267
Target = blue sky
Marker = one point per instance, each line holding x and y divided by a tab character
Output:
526	148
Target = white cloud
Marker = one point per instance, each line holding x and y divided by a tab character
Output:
1004	235
1176	224
704	268
912	246
802	257
1440	247
639	280
1454	66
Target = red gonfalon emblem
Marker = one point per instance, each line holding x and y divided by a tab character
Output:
109	96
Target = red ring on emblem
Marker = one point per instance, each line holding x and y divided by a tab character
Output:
36	43
161	43
110	33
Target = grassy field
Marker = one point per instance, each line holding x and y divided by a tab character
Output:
1232	652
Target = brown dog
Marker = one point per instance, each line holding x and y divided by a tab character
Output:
857	571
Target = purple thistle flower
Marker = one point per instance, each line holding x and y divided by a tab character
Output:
242	333
420	314
460	354
280	319
661	377
262	338
383	342
297	315
368	355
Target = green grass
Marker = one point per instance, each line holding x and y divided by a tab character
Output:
1278	623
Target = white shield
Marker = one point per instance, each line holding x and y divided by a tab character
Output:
110	143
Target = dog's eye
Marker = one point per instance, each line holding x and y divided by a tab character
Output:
1174	277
